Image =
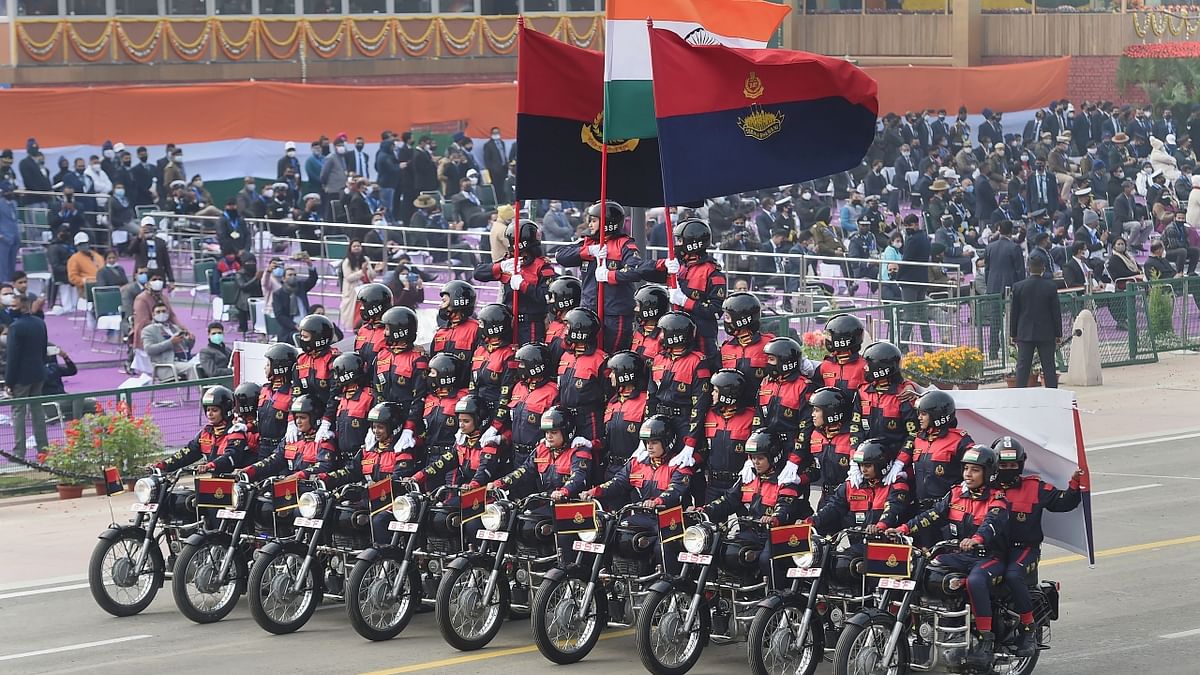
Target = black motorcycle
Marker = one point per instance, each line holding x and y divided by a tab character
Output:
923	622
127	566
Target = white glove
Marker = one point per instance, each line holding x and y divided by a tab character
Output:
507	265
460	438
594	251
406	441
515	282
747	472
490	437
237	427
808	367
855	476
581	442
292	433
672	266
895	472
677	297
790	473
324	432
684	458
601	274
370	442
642	454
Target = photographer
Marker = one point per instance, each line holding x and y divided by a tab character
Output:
168	343
740	238
406	281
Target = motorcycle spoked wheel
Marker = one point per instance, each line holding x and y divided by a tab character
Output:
116	587
771	645
273	604
661	643
199	594
560	634
1024	665
374	614
860	650
467	620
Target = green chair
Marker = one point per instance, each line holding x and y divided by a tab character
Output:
106	305
37	267
202	271
487	196
229	294
337	246
272	326
1110	217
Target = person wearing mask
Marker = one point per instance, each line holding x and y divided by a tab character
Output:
151	252
495	160
1176	238
144	304
25	373
121	215
355	202
290	301
387	173
288	161
84	264
112	274
355	270
53	386
914	279
167	342
35	176
143	182
333	176
1005	267
313	166
532	283
556	225
10	230
215	355
233	233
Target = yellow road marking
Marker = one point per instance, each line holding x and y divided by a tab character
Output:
480	656
1122	550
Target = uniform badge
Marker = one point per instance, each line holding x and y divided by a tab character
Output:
940	470
891	424
400	379
953	529
450	421
788	412
1021	517
279	415
578	383
739	447
860	517
633	428
681	387
532	418
844	460
494	376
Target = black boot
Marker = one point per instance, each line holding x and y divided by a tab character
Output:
1026	641
979	657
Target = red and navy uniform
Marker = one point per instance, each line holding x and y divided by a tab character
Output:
830	447
581	388
888	413
725	430
226	450
459	338
647	341
367	465
370	340
745	353
312	375
536	276
493	371
546	470
305	458
638	480
847	373
400	379
441	422
467	464
623	419
704	285
762	496
556	332
520	420
679	389
1027	501
623	263
937	463
273	406
868	503
780	403
348	417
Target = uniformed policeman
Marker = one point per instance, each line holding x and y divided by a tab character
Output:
745	349
493	370
275	398
727	427
220	445
518	423
400	371
626	410
650	303
701	281
887	401
531	284
563	295
305	457
679	385
370	338
458	331
347	412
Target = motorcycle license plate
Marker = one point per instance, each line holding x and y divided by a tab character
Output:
492	536
144	508
695	558
231	515
395	526
585	546
314	523
898	584
803	572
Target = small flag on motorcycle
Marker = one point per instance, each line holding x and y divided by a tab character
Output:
379	494
670	524
112	482
214	493
889	561
471	503
790	540
576	517
286	494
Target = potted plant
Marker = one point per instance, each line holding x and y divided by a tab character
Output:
1035	370
812	345
111	437
919	368
962	366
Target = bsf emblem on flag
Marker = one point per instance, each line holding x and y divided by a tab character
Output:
760	124
592	135
891	561
754	87
790	540
578	519
670	524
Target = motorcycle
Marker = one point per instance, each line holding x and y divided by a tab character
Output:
929	626
790	632
127	568
480	587
291	575
605	582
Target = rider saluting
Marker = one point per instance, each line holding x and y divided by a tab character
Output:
221	444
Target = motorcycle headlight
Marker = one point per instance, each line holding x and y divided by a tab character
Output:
145	489
493	517
404	509
241	496
803	560
695	539
310	504
588	536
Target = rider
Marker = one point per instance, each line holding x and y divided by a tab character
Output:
519	421
646	477
1028	498
867	498
531	285
315	338
469	463
650	303
400	370
843	367
784	393
347	412
458	331
370	339
375	459
558	465
745	348
886	401
679	385
446	387
221	444
580	373
562	296
305	457
492	368
245	407
626	410
700	280
727	427
829	441
275	399
976	516
937	451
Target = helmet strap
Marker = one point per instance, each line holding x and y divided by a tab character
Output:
842	356
744	336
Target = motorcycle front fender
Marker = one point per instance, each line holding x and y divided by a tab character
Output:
867	614
556	574
777	600
200	537
271	548
470	558
114	532
664	585
368	555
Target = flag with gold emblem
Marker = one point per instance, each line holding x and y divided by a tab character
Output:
286	494
214	493
670	524
112	481
575	517
889	561
471	503
790	540
379	496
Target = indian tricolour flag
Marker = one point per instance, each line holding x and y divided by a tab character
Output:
628	94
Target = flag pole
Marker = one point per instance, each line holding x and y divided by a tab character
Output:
603	216
517	227
672	279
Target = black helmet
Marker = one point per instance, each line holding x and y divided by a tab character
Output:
558	418
1009	449
872	451
614	216
730	385
470	405
348	369
531	240
220	397
564	294
658	428
627	367
984	457
763	442
742	311
322	330
282	358
462	297
389	414
583	327
883	361
833	402
496	320
533	360
400	326
940	407
308	405
650	303
694	237
843	332
445	371
789	354
373	300
245	397
678	330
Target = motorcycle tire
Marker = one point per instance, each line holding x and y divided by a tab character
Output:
459	594
769	643
848	658
556	598
374	616
194	572
658	624
267	578
125	547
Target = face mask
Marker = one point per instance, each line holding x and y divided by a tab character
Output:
268	193
4	339
291	153
178	159
109	154
112	266
156	285
141	278
340	149
277	273
495	137
358	146
474	181
162	317
250	187
217	338
96	167
807	195
120	192
8	299
1024	158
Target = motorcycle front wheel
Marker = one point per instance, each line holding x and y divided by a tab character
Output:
373	612
275	604
860	650
772	643
119	588
199	593
662	644
467	620
560	634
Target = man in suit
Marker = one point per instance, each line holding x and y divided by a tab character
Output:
495	160
424	168
1132	216
290	301
1035	323
1077	270
905	164
25	371
142	173
387	169
875	182
333	178
1005	266
1041	192
34	176
357	160
1033	128
467	205
985	197
1041	251
914	279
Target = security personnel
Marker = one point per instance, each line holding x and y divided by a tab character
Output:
531	284
371	338
650	303
458	331
245	408
887	401
400	369
843	367
868	498
700	280
218	445
1028	498
679	384
829	441
615	264
646	477
626	410
447	385
938	449
727	427
746	347
315	339
518	423
305	457
493	370
469	463
784	392
275	398
376	458
347	412
558	465
564	295
580	373
977	516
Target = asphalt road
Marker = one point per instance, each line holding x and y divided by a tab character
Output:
1135	611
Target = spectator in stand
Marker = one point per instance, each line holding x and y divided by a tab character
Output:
53	386
214	356
129	293
101	184
358	212
121	216
143	305
167	342
407	283
25	373
387	173
20	282
144	181
8	303
272	280
334	176
151	252
227	268
290	304
1035	323
313	166
249	203
35	176
495	160
58	251
288	161
233	232
68	217
7	173
10	231
249	285
355	270
556	225
914	279
112	274
1193	203
1176	238
84	264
